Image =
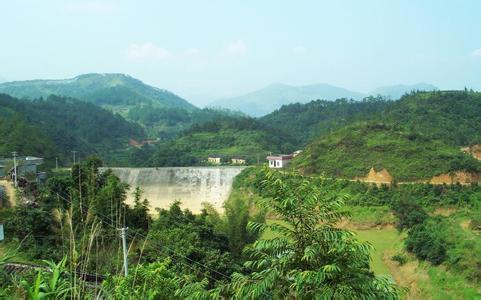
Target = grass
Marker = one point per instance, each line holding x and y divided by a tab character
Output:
443	284
372	215
381	240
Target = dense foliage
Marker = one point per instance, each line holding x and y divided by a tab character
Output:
320	117
431	235
167	123
351	151
227	137
55	126
451	116
311	257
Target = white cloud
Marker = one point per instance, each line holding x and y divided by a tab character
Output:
477	53
299	50
91	7
147	51
238	47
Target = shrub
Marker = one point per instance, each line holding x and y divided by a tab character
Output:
427	242
401	259
409	214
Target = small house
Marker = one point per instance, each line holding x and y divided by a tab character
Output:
279	161
296	153
215	160
238	161
27	167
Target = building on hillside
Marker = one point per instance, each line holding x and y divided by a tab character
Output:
27	168
238	161
215	160
279	161
296	153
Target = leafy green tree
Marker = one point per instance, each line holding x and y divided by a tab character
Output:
151	281
310	258
408	214
427	242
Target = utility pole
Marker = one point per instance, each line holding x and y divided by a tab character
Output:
56	163
73	152
123	234
14	153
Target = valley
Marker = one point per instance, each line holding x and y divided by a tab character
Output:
406	173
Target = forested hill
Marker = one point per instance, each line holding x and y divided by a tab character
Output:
307	121
352	151
57	125
100	89
224	136
451	116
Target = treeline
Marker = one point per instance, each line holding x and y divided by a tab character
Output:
352	151
55	126
308	121
224	136
167	123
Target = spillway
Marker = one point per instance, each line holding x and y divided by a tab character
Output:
190	185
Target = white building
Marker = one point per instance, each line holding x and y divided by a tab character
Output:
215	160
279	161
296	153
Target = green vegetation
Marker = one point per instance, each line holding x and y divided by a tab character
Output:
381	240
100	89
167	123
434	224
53	127
74	220
317	118
227	137
408	156
451	116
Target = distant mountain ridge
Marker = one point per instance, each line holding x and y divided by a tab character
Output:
101	89
272	97
395	92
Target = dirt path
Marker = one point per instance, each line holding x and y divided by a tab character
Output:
10	190
407	276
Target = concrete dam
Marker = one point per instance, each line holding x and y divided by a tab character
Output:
190	185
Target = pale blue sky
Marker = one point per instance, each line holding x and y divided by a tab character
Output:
208	49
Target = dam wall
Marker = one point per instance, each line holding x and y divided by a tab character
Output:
190	185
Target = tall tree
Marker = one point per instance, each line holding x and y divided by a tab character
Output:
310	257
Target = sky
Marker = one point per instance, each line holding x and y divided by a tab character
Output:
203	50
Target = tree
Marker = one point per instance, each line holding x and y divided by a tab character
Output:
310	258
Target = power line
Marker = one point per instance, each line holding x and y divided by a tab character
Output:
163	246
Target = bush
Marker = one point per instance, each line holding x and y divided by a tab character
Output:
427	242
475	225
409	214
401	259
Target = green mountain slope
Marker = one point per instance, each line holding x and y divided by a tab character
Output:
226	136
53	127
100	89
167	123
351	151
451	116
307	121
